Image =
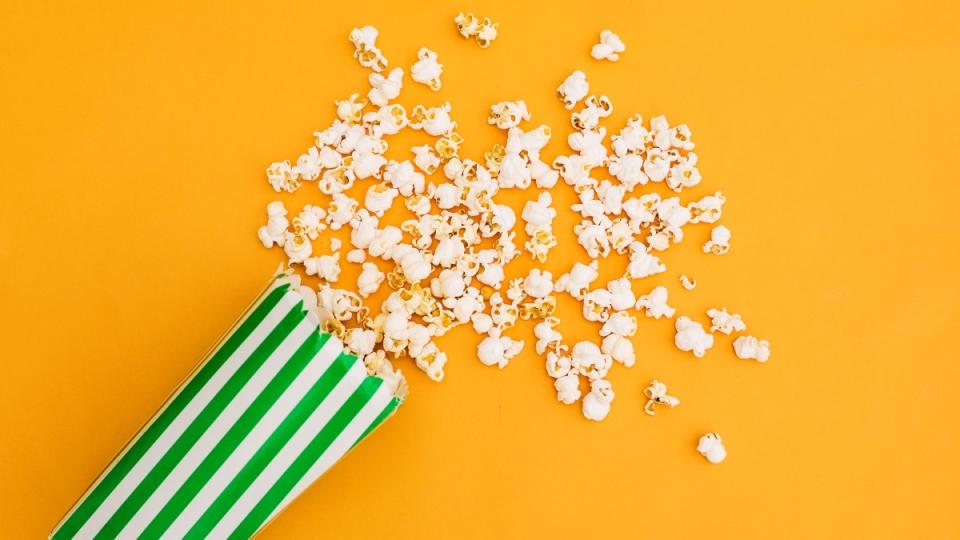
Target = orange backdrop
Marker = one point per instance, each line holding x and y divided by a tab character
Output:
134	141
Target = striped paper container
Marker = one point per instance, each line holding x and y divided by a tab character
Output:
270	409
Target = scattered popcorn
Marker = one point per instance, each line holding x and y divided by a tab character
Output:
691	337
711	447
642	263
326	267
364	40
379	198
577	279
590	360
621	292
470	26
496	350
609	47
719	242
275	231
687	283
619	348
655	305
657	395
384	89
749	347
547	335
596	404
707	209
620	324
727	323
369	280
568	388
427	70
573	89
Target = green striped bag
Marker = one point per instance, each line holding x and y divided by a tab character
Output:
273	406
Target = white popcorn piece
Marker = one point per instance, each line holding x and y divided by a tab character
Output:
356	256
414	265
435	121
387	120
642	263
657	395
402	176
621	324
596	305
708	209
548	338
590	360
711	447
577	280
593	238
687	283
426	158
297	247
558	364
470	26
574	88
589	144
497	350
719	242
595	109
628	170
543	175
384	89
427	70
620	349
481	322
326	267
538	284
684	174
749	347
691	337
508	114
369	280
568	388
632	139
383	242
486	33
609	48
341	210
727	323
274	233
283	177
309	222
379	198
621	293
596	404
655	305
449	284
349	110
364	40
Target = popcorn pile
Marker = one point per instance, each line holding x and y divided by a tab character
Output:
446	265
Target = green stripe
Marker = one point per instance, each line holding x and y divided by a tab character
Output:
271	446
232	439
153	431
201	423
394	403
306	459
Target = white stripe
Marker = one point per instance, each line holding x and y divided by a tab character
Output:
163	443
340	446
294	447
218	428
255	439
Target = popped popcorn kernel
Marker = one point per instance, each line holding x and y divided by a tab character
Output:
657	395
609	48
749	347
427	69
711	447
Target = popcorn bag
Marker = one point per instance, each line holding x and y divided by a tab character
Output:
274	404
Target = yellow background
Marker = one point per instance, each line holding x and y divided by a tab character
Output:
134	139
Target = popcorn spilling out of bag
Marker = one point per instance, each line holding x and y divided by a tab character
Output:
448	262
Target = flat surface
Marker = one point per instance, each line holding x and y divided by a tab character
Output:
134	142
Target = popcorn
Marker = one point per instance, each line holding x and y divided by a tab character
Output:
383	89
435	121
387	120
547	336
383	242
369	280
721	321
496	350
589	143
379	198
404	178
619	348
356	256
360	341
539	214
719	242
484	31
426	158
749	347
326	267
609	47
411	261
596	404
297	247
621	324
427	70
481	322
538	284
341	211
596	305
711	447
558	364
449	284
577	279
590	360
642	263
657	395
568	388
275	231
573	89
508	114
349	110
632	139
364	40
621	292
593	239
707	209
691	337
684	174
687	283
594	110
655	305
